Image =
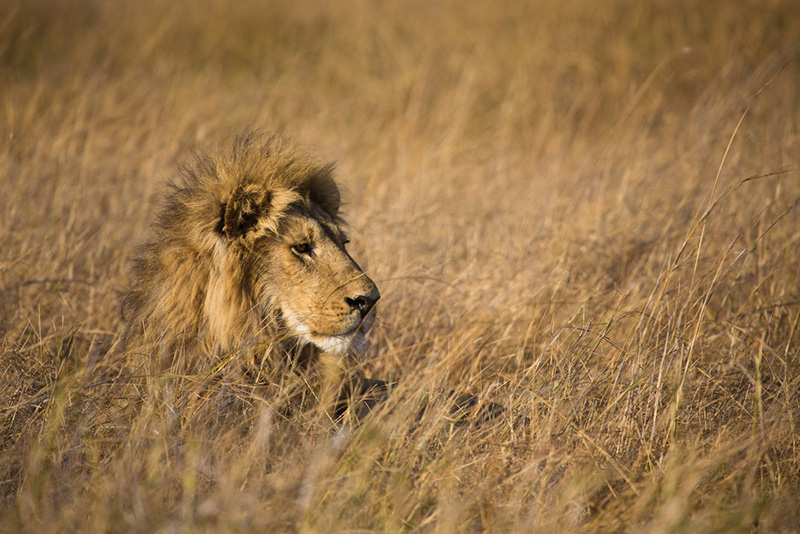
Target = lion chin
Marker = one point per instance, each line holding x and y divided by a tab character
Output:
352	343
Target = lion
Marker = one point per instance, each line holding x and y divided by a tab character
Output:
249	256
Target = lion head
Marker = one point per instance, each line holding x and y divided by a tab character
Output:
249	250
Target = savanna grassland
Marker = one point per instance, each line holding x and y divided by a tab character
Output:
585	212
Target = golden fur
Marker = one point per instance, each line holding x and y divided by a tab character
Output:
248	253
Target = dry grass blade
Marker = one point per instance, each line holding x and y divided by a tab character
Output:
583	213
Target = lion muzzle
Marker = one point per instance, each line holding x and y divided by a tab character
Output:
364	303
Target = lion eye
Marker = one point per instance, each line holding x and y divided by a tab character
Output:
302	248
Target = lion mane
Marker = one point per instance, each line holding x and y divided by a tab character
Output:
248	251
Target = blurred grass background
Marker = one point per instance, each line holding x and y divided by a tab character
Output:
585	212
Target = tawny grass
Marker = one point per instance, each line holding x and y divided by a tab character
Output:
585	213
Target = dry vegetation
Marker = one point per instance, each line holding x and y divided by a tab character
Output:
585	214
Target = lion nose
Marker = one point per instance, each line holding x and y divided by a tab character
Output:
362	303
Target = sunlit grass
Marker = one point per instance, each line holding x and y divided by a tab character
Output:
585	214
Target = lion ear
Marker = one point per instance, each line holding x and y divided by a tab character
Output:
243	210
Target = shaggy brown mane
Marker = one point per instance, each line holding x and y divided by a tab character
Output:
193	284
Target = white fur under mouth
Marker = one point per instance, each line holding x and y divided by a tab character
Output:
353	342
339	345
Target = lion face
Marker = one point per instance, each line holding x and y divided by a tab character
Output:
249	252
299	265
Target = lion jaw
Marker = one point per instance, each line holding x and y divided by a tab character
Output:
350	343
